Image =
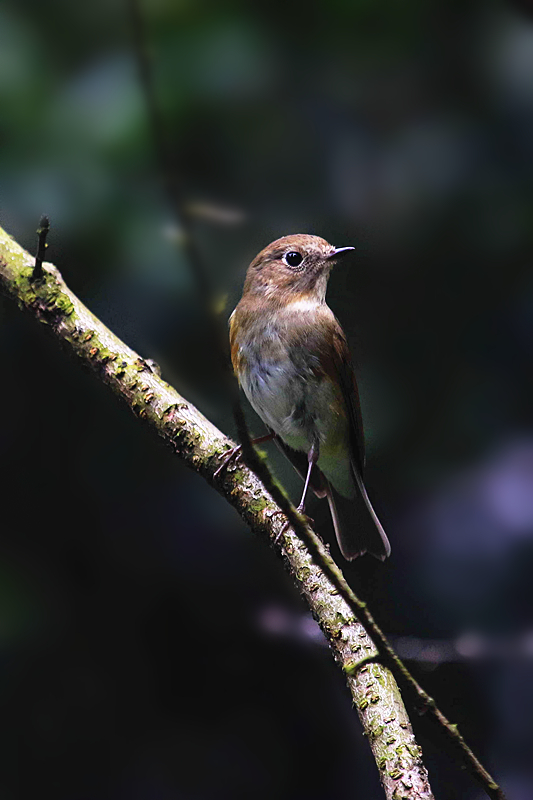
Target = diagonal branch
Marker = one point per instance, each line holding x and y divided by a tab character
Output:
199	443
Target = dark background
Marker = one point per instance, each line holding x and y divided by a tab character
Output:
149	646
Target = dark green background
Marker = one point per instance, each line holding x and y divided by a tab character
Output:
138	657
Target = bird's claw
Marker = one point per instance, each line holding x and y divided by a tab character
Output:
301	510
231	455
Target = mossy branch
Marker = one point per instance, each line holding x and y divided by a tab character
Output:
200	444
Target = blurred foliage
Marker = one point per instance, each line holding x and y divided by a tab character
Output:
403	128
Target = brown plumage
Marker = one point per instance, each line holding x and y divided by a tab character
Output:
292	360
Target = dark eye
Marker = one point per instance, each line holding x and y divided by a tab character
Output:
293	259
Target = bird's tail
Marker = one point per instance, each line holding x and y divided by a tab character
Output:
355	539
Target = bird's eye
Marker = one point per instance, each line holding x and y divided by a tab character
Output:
293	258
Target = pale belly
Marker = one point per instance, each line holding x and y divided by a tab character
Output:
302	409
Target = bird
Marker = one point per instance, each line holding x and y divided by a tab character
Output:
292	360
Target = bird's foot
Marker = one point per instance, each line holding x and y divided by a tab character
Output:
236	452
286	525
301	510
231	455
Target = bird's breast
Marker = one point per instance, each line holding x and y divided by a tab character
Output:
285	385
274	385
277	359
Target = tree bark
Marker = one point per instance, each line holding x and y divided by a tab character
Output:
200	444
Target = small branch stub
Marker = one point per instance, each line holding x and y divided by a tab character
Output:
42	233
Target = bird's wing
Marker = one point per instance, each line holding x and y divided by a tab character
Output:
338	366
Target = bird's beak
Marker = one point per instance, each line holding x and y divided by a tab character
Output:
340	251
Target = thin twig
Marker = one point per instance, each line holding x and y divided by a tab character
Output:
42	233
183	211
360	608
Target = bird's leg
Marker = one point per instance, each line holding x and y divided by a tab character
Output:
235	453
312	458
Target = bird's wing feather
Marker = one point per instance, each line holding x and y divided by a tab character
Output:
352	542
338	366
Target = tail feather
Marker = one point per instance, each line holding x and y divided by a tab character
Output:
356	540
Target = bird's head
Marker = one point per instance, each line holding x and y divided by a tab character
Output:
293	267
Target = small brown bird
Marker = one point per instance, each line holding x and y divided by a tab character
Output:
292	360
